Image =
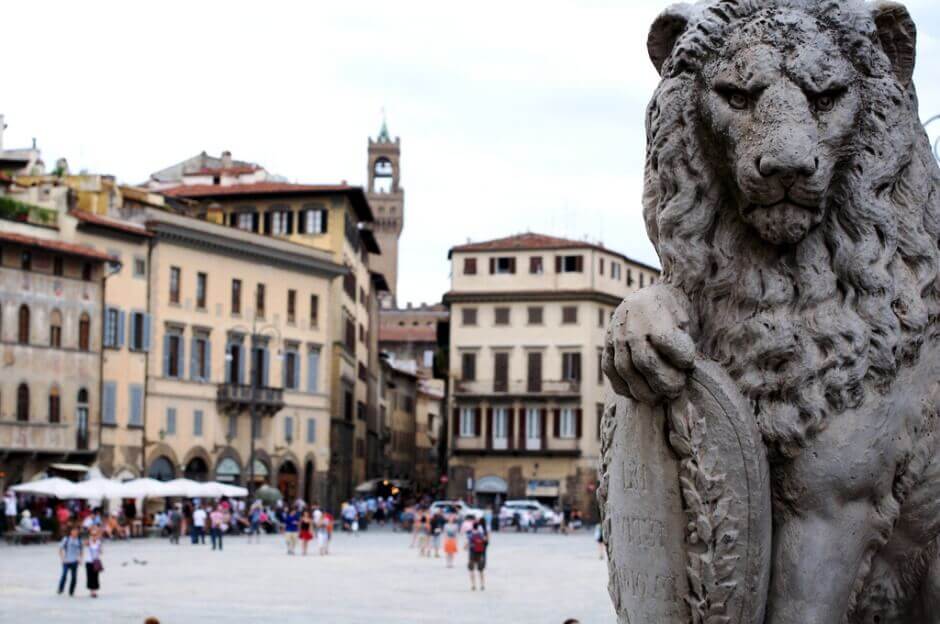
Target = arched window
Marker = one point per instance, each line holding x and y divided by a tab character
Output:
161	469
382	176
24	324
55	329
54	416
81	420
22	403
84	331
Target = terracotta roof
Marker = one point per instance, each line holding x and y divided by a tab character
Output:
111	224
263	189
531	241
54	245
406	333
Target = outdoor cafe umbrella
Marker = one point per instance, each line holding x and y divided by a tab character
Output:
186	488
98	489
233	491
54	486
144	488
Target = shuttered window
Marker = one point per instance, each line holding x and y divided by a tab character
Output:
136	405
534	372
500	372
109	403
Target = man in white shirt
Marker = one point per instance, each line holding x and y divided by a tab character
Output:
9	510
199	525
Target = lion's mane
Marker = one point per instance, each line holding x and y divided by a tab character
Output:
812	329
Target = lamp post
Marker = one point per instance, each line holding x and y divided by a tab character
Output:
936	143
254	385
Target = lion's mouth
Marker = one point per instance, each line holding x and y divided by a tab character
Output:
784	222
785	204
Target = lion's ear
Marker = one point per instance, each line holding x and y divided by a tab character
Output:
665	30
898	36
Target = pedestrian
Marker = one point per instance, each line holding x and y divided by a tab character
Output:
599	536
254	516
9	511
70	553
176	524
291	519
217	526
424	535
199	525
322	522
476	545
436	529
306	531
93	567
451	528
466	527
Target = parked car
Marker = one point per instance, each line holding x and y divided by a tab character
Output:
530	513
462	509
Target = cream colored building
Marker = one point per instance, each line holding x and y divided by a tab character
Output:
528	315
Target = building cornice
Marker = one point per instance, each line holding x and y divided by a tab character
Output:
511	296
243	250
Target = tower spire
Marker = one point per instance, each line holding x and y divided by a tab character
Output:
383	131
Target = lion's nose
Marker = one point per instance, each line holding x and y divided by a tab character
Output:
787	167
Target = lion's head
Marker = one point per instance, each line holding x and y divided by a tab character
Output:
791	193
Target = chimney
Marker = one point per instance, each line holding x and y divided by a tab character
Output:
226	159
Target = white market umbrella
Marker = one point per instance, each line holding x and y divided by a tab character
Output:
186	488
233	491
98	489
54	486
144	488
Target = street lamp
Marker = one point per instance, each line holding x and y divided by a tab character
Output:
257	332
936	143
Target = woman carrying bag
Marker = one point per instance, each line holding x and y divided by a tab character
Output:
93	567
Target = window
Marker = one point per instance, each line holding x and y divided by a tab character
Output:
86	271
362	332
140	267
84	332
535	315
534	371
428	359
201	290
468	366
246	221
533	428
362	295
292	306
567	425
174	285
349	284
313	369
236	365
173	356
26	261
500	371
81	420
569	315
501	417
136	402
201	365
600	266
259	301
111	327
140	332
288	429
569	264
360	410
641	280
54	406
601	314
571	366
291	370
23	334
57	266
311	431
197	423
629	277
314	310
468	422
236	296
469	266
652	279
55	329
313	222
501	316
469	316
109	403
615	270
232	427
503	265
170	428
535	265
22	403
281	222
350	334
259	366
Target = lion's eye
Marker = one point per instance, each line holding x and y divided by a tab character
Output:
737	100
825	102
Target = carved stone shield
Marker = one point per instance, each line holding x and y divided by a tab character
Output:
685	494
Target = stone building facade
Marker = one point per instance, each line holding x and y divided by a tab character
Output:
528	315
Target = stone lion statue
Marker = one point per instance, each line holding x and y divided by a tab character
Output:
794	203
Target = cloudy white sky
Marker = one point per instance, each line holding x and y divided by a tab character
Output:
513	116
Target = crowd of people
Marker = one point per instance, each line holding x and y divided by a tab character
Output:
434	530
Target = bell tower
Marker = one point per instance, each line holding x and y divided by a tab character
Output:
387	199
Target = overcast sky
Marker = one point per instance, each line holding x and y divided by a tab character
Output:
513	116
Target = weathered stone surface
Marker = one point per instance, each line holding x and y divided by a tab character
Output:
794	201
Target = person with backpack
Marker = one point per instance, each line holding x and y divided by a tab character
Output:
477	543
70	553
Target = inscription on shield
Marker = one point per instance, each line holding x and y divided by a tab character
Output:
686	496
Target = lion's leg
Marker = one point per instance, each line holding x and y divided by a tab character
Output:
817	556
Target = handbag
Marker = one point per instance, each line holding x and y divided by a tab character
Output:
97	566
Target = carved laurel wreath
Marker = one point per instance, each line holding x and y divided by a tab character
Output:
711	532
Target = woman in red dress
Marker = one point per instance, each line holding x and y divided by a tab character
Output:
306	531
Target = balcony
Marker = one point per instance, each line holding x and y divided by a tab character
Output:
549	446
36	437
239	398
530	389
13	210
